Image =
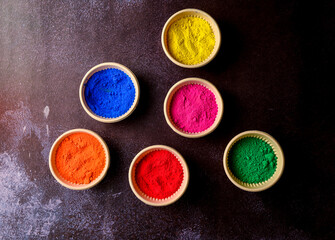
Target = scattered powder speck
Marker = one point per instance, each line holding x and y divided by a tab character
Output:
26	210
46	111
21	198
190	233
115	195
47	128
18	203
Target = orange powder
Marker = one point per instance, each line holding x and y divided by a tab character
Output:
80	158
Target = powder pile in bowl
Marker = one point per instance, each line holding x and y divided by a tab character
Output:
252	160
80	158
193	108
110	93
159	174
190	40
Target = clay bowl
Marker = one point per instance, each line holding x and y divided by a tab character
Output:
191	12
98	68
154	201
169	97
255	187
59	178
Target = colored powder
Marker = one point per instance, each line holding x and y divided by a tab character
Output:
190	40
159	174
80	158
193	108
252	160
110	93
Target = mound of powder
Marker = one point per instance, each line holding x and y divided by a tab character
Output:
190	40
159	174
193	108
80	158
252	160
110	93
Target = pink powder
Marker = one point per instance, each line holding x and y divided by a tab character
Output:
193	108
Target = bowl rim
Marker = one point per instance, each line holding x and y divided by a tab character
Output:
185	168
109	65
210	57
280	157
219	102
80	186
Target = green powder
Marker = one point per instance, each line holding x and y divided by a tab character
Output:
252	160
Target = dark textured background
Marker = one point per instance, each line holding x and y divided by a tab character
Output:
273	71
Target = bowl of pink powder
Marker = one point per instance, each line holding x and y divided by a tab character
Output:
193	107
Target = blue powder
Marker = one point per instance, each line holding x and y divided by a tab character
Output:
109	93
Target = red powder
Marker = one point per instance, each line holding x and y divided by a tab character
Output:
159	174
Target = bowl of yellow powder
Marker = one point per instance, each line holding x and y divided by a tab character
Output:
253	161
79	159
191	38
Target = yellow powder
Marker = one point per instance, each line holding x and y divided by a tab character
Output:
190	40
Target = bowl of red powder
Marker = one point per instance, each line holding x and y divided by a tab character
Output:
253	161
109	92
79	159
193	107
158	175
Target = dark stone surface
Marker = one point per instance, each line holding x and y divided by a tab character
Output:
274	74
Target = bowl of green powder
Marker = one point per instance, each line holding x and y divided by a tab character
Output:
253	161
109	92
191	38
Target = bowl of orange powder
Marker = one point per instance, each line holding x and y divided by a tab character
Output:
158	175
79	159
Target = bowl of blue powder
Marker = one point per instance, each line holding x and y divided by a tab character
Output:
109	92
